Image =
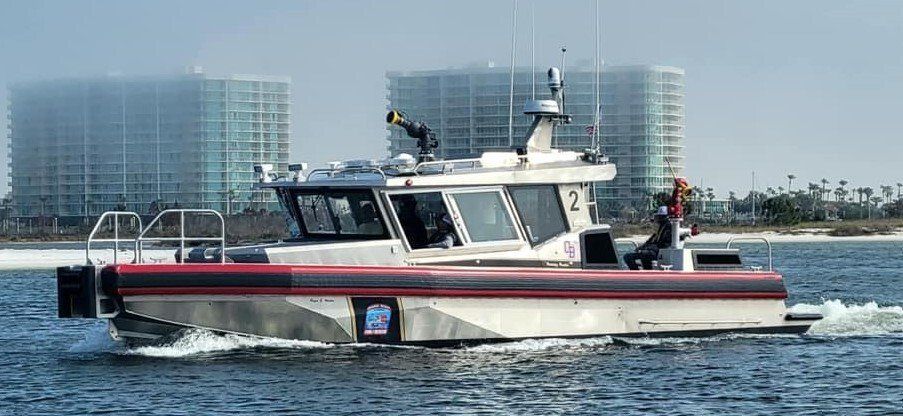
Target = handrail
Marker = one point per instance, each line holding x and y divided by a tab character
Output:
350	170
115	240
767	243
182	238
443	163
636	245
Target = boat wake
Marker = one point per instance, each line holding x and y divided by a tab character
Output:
199	342
542	344
853	320
840	319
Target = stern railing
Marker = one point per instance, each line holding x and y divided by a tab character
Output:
115	240
763	239
182	238
142	237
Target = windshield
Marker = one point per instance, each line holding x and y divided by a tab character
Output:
340	212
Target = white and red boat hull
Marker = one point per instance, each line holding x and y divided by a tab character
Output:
439	305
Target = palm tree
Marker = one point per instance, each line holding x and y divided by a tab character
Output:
231	197
790	179
770	191
824	184
710	194
843	194
780	189
814	191
732	199
899	187
839	193
875	200
697	196
887	191
868	191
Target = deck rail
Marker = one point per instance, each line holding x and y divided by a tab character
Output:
763	239
182	238
142	237
116	239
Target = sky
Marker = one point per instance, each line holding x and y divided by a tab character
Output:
813	88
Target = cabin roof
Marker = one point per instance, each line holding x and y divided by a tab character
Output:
559	170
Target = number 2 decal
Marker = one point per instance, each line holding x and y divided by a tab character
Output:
576	196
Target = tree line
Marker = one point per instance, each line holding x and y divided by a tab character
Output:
817	201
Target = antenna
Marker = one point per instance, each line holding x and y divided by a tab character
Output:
594	138
564	51
533	50
668	161
511	80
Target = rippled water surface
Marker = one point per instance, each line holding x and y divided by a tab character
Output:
850	363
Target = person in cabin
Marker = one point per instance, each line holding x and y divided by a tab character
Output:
368	220
413	226
444	237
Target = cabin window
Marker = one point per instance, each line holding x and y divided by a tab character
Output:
419	215
539	210
485	216
340	212
316	217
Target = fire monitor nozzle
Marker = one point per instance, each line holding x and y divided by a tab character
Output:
426	139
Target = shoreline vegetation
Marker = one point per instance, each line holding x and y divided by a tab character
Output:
242	228
260	227
851	228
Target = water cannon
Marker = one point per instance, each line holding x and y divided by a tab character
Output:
426	139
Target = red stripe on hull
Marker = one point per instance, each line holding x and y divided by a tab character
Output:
414	271
570	294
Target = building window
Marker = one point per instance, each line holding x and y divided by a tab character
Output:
540	211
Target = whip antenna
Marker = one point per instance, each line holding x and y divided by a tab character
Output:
671	168
511	86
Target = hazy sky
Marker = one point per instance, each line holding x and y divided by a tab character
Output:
809	87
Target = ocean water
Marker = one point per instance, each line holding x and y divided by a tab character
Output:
849	363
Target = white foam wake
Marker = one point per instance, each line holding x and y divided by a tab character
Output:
542	344
195	342
853	320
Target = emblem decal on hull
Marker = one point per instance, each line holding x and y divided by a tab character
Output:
377	319
570	249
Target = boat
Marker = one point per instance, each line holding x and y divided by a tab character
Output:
519	255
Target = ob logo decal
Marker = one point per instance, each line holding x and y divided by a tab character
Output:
570	249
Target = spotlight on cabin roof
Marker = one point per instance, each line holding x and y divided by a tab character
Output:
297	169
264	172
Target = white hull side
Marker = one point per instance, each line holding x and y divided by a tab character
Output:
454	319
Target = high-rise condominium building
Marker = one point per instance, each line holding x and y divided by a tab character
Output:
79	147
642	119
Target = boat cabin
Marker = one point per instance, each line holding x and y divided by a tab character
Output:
500	209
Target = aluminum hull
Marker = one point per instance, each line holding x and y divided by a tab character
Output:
441	305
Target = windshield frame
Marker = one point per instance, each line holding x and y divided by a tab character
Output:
336	232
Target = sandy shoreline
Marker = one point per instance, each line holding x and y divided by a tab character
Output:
776	237
32	258
51	258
